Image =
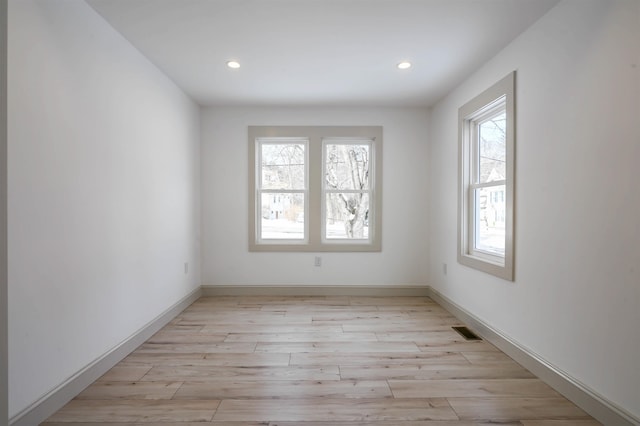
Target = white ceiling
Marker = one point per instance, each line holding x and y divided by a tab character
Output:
319	52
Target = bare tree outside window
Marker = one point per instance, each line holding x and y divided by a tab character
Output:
347	190
492	146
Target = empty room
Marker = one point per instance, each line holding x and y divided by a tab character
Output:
320	212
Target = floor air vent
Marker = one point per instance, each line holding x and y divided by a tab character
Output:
466	333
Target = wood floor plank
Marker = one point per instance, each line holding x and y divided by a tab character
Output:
487	358
146	411
369	316
182	328
248	360
428	372
425	337
130	390
335	410
208	360
391	301
431	312
337	347
396	326
180	337
126	373
302	337
204	348
510	409
214	317
433	307
292	300
317	309
273	328
285	390
378	358
138	358
199	373
471	388
458	346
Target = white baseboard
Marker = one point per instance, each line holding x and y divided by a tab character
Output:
291	290
40	410
595	405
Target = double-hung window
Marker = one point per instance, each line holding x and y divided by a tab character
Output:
346	189
315	188
485	228
282	189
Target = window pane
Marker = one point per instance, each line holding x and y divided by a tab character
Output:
492	148
347	166
347	216
490	219
282	216
283	166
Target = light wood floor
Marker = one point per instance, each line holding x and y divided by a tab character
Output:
317	361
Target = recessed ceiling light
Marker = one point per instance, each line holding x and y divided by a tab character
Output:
233	64
404	65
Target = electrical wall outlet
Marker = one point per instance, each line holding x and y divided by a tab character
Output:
317	261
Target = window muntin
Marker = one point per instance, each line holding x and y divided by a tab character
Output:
339	214
282	189
347	189
487	142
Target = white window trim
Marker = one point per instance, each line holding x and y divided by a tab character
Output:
314	215
473	111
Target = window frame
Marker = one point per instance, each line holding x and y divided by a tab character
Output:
314	205
496	98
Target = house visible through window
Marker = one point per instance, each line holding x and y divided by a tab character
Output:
282	188
315	188
485	237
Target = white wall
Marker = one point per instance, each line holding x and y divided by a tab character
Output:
226	259
576	297
103	193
